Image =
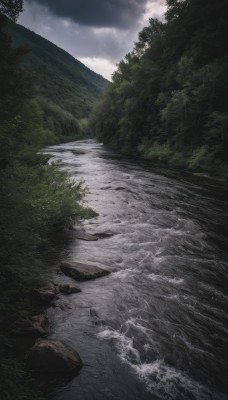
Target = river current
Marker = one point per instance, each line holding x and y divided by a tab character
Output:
157	326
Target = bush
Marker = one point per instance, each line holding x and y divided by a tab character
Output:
37	199
200	159
22	384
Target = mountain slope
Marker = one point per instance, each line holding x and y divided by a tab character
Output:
66	87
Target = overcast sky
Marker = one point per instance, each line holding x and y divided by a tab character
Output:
97	32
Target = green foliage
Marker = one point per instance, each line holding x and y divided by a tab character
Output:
164	154
200	158
21	387
60	125
89	213
169	97
156	152
37	199
66	89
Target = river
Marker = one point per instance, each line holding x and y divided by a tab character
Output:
156	327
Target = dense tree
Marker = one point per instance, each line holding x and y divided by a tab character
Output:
37	199
11	8
36	196
169	97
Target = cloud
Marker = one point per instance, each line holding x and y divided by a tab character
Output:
78	40
153	9
101	65
97	13
101	47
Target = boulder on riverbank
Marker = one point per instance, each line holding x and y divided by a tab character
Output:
103	235
82	235
37	326
53	357
46	294
69	289
81	272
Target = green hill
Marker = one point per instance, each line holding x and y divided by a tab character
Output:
67	89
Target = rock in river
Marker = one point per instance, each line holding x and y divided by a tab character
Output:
103	235
45	294
81	272
68	289
82	235
53	357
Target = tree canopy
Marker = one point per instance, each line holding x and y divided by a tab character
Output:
11	8
169	97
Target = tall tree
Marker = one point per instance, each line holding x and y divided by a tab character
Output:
11	8
169	97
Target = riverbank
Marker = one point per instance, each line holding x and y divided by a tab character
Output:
29	322
37	200
199	160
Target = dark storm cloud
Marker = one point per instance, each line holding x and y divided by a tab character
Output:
97	13
98	39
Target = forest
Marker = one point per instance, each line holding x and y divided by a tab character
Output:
66	89
37	200
168	101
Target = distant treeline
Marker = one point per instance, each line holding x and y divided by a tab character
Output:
168	100
66	89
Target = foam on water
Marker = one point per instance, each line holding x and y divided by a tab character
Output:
124	344
175	281
161	379
123	273
164	380
139	327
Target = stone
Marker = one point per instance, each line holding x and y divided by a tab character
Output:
38	325
64	306
61	306
81	272
53	357
82	235
103	235
69	289
45	294
96	319
105	187
119	188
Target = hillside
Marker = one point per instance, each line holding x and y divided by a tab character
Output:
67	89
169	97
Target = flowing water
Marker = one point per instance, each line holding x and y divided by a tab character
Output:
156	327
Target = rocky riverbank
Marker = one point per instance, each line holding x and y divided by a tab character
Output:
48	356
